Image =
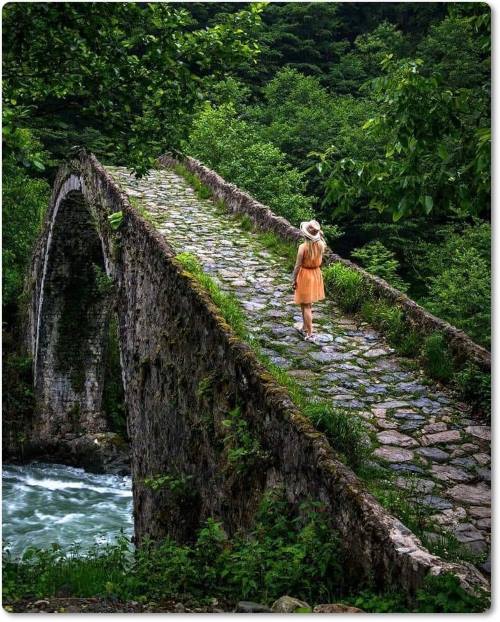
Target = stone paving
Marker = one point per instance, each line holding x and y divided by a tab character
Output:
417	428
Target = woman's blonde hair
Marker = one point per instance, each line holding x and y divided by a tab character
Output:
315	249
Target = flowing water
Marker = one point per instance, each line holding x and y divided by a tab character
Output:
46	503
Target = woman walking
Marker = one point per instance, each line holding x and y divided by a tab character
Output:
307	276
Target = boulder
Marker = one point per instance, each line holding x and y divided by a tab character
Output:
288	604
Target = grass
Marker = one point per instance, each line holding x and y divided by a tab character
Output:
437	359
348	287
474	387
228	304
202	191
284	552
390	320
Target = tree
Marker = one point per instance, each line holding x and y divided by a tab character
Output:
121	77
436	150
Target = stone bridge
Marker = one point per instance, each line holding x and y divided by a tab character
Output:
184	370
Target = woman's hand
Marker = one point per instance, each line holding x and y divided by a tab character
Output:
294	285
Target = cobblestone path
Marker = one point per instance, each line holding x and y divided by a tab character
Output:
420	429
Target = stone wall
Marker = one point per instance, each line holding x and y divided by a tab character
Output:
184	372
461	345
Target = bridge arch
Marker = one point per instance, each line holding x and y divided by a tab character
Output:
71	307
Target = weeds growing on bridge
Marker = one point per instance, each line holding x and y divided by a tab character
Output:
227	303
201	189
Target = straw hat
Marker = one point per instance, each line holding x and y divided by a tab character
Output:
311	230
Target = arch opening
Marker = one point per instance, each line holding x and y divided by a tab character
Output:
73	325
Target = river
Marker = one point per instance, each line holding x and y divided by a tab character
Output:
46	503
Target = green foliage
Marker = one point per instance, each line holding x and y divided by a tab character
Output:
362	63
458	272
244	451
282	552
435	150
104	284
230	145
438	360
371	602
438	594
390	319
42	572
345	430
134	72
177	484
24	202
346	286
276	244
444	594
228	304
474	386
115	220
202	190
378	260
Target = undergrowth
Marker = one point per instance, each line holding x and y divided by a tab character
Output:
284	552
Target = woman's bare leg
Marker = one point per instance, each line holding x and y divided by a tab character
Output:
302	308
307	315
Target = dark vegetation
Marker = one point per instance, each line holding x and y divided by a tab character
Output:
374	119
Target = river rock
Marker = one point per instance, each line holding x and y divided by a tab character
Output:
448	473
288	604
247	606
433	453
336	608
396	438
480	431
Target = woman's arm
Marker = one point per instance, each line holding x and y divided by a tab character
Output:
298	263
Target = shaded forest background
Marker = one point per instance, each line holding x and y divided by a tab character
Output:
374	118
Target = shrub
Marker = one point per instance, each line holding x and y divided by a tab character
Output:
243	449
459	280
234	149
345	431
391	321
438	594
284	551
24	202
379	260
474	387
437	358
444	594
346	286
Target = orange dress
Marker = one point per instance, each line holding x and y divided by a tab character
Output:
310	286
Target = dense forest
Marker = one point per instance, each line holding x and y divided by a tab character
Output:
374	119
